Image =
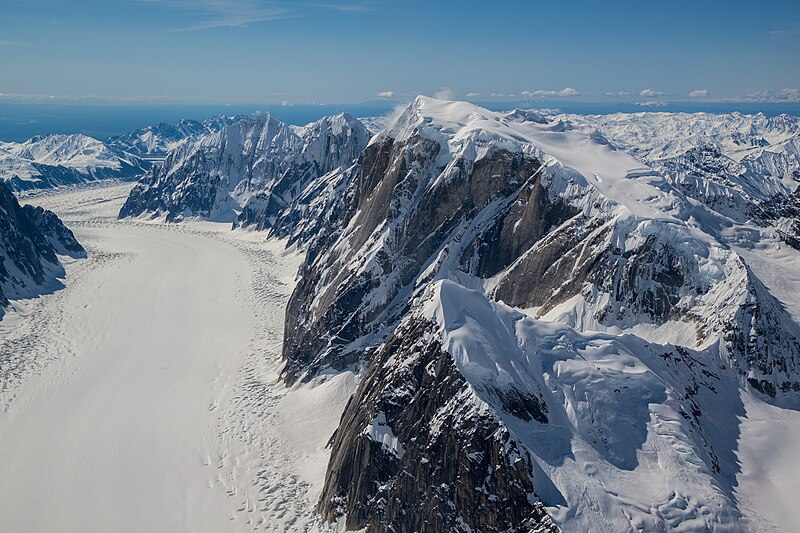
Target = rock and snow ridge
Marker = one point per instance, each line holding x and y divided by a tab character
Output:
31	239
644	327
55	160
156	141
550	217
249	171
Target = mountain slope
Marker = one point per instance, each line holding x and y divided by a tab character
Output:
31	239
255	166
56	160
744	167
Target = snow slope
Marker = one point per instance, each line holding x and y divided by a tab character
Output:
53	160
144	397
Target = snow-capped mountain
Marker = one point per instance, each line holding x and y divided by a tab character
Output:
31	239
555	320
55	160
249	171
154	142
453	214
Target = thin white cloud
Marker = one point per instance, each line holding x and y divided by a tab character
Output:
351	7
650	93
652	103
538	94
566	92
208	14
472	95
30	97
699	93
6	43
386	94
619	94
786	33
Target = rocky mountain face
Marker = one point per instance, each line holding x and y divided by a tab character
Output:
249	172
57	160
472	416
31	239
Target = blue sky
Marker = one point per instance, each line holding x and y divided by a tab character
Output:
255	51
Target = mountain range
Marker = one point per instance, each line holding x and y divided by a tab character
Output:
554	319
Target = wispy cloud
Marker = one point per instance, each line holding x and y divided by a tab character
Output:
793	31
6	43
699	93
652	103
650	93
472	95
209	14
566	92
386	94
350	7
31	97
619	94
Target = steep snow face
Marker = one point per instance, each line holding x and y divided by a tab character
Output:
606	433
31	239
629	427
52	160
259	160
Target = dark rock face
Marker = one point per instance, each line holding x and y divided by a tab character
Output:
499	191
30	238
764	340
57	234
434	478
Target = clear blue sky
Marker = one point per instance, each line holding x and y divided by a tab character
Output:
255	51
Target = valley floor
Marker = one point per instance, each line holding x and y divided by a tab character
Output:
144	396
